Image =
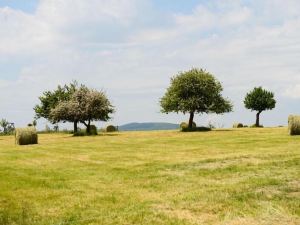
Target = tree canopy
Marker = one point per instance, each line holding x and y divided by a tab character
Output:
195	91
259	100
84	106
50	99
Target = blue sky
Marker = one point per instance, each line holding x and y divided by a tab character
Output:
131	49
26	6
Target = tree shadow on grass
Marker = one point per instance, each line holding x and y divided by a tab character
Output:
98	135
218	130
109	134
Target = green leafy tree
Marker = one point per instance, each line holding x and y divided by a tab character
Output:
195	91
50	99
85	105
4	124
8	128
259	100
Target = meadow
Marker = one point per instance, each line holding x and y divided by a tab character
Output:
235	176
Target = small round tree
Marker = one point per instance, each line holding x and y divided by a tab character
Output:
259	100
194	91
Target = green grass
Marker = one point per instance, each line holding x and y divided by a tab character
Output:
236	176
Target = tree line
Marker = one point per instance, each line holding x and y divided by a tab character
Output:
191	92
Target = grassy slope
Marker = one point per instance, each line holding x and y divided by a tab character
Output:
245	176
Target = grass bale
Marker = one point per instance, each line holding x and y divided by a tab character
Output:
184	125
294	125
238	125
110	128
26	136
93	130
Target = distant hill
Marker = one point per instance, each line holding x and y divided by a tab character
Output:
148	126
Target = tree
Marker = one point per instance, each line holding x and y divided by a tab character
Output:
86	105
4	124
50	99
259	100
8	127
195	91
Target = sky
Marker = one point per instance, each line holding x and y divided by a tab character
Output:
131	48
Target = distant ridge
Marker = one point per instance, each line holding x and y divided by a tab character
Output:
148	126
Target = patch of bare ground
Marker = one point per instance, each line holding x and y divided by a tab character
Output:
186	215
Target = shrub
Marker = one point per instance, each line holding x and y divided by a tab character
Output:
245	126
110	128
26	136
93	130
185	125
238	125
194	129
294	125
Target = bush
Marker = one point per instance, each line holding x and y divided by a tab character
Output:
185	125
245	126
194	129
111	128
26	136
93	130
238	125
294	125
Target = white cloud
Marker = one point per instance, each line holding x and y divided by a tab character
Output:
203	18
293	91
74	12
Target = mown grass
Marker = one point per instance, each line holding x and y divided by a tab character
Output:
236	176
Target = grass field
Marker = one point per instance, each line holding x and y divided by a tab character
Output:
239	176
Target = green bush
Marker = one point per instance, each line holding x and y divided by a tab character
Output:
93	130
195	129
26	136
294	125
238	125
111	128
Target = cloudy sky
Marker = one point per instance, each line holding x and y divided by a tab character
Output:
131	48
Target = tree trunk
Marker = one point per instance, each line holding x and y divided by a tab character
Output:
88	127
191	120
257	119
75	127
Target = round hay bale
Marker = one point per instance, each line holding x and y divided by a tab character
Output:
185	125
26	136
238	125
294	125
110	128
93	130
